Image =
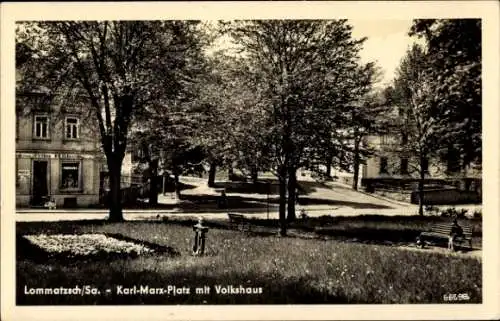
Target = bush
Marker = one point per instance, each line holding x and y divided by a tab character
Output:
453	212
447	212
431	209
462	213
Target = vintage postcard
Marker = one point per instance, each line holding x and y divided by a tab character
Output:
249	160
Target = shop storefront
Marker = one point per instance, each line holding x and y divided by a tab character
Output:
70	179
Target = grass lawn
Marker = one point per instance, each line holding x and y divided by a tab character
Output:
380	229
288	270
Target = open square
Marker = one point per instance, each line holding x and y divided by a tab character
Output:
164	162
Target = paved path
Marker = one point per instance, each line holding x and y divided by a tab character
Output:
61	215
337	199
335	194
475	254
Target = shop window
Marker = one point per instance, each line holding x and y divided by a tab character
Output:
72	128
41	129
70	173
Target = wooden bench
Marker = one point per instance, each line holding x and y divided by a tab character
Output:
442	231
239	222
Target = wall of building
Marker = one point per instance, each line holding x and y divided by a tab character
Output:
387	148
461	186
58	150
87	192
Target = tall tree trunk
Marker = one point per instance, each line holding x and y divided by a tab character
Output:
153	182
356	165
255	174
177	185
292	186
329	163
211	174
115	199
421	188
230	172
282	208
164	182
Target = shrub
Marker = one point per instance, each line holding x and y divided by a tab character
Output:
447	212
453	212
431	209
461	213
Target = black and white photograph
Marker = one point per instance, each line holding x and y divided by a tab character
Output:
249	161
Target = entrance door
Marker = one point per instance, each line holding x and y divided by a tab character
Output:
40	186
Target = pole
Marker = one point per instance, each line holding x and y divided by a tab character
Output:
164	182
268	188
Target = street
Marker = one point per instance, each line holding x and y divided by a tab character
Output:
333	199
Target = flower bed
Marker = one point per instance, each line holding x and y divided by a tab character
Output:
86	245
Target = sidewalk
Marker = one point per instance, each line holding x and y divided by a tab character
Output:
475	253
469	207
62	215
339	200
380	197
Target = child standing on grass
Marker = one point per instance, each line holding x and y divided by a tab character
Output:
456	231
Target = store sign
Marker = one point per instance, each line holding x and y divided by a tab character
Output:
71	156
53	155
36	155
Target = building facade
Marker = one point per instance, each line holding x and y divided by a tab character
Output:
389	162
58	154
389	166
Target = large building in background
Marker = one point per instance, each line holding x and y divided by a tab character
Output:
389	162
389	168
58	154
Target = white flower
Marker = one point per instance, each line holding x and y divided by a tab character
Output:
85	244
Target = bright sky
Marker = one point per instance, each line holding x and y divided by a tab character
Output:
387	43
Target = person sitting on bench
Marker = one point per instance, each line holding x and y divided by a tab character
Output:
456	231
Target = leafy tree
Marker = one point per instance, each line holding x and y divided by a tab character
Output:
359	117
122	67
229	124
302	73
368	118
167	146
454	51
417	118
145	149
439	89
249	134
212	128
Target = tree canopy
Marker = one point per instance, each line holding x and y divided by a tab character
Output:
304	74
437	90
123	68
454	62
